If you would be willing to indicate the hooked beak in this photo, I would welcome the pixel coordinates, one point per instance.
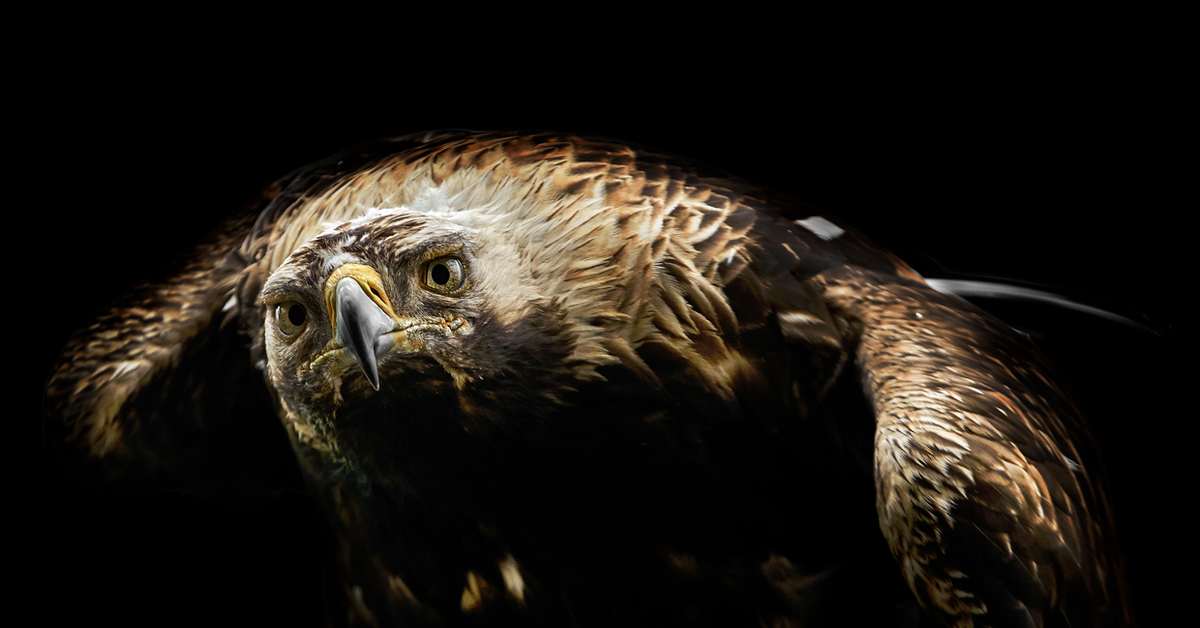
(362, 316)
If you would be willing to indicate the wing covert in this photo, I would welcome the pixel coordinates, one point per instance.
(130, 402)
(981, 489)
(162, 388)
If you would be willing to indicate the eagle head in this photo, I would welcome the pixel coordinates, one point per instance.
(420, 317)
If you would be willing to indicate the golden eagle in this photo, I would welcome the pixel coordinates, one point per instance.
(543, 379)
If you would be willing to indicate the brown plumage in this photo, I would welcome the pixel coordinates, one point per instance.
(561, 380)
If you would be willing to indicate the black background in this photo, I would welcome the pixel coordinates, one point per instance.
(1043, 155)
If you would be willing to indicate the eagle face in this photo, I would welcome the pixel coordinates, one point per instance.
(406, 307)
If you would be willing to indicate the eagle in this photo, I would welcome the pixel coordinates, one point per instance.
(553, 380)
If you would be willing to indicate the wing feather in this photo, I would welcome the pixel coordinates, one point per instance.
(981, 491)
(161, 390)
(131, 399)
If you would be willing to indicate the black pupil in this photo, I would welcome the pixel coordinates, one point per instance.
(440, 274)
(296, 315)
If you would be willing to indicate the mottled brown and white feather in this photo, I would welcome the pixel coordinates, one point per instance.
(707, 298)
(980, 492)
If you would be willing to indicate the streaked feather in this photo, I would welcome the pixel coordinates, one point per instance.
(621, 296)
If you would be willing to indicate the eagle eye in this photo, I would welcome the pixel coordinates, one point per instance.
(290, 317)
(445, 275)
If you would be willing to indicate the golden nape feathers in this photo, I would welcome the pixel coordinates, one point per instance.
(543, 379)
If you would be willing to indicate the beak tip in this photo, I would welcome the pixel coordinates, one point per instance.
(358, 327)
